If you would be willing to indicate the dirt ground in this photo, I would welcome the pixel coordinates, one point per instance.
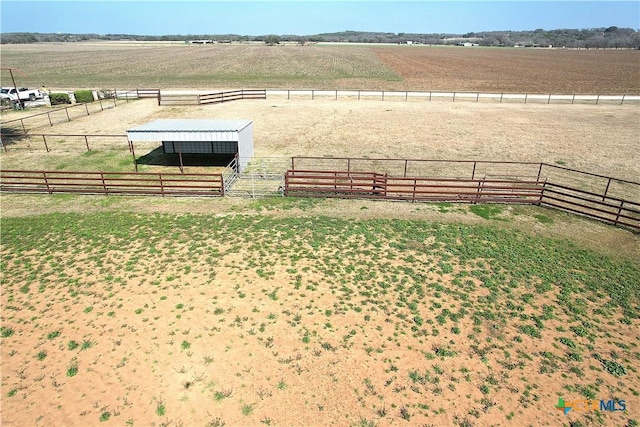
(160, 353)
(594, 138)
(325, 66)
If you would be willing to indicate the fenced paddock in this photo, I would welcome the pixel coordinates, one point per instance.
(521, 98)
(608, 199)
(604, 198)
(162, 184)
(68, 142)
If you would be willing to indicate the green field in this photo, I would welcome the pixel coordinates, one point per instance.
(264, 317)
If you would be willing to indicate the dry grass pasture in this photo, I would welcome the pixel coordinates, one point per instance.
(599, 139)
(330, 66)
(208, 312)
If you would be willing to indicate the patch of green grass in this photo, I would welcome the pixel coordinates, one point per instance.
(72, 370)
(6, 332)
(487, 211)
(543, 219)
(161, 409)
(247, 409)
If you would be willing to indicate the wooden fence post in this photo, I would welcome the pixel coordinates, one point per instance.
(44, 138)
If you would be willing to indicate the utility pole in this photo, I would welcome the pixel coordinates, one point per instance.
(15, 86)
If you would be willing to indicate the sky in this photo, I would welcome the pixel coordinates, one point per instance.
(303, 17)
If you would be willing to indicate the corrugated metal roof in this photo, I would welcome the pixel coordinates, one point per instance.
(193, 125)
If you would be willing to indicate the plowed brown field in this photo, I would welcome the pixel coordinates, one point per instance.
(516, 70)
(323, 66)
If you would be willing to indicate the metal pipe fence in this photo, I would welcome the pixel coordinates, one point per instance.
(122, 183)
(455, 96)
(601, 197)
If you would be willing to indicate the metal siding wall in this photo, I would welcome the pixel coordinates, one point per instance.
(245, 145)
(183, 136)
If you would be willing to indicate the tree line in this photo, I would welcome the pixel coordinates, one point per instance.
(599, 38)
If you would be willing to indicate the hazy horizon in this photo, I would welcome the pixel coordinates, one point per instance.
(253, 18)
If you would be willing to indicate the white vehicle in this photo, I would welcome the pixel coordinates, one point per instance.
(23, 94)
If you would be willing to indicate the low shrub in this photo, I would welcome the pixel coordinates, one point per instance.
(83, 96)
(59, 98)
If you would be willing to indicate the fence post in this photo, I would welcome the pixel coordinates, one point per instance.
(478, 97)
(406, 161)
(573, 99)
(49, 117)
(597, 99)
(86, 107)
(24, 129)
(454, 97)
(382, 96)
(104, 184)
(478, 194)
(622, 101)
(66, 110)
(619, 212)
(44, 138)
(159, 98)
(221, 185)
(161, 183)
(549, 100)
(406, 95)
(133, 153)
(501, 95)
(46, 182)
(86, 141)
(473, 172)
(312, 94)
(358, 95)
(604, 196)
(539, 172)
(288, 94)
(286, 183)
(415, 188)
(336, 95)
(542, 193)
(525, 97)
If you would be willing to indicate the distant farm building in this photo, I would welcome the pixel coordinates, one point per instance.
(219, 140)
(200, 41)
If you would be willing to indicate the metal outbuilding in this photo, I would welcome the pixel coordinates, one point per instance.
(230, 138)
